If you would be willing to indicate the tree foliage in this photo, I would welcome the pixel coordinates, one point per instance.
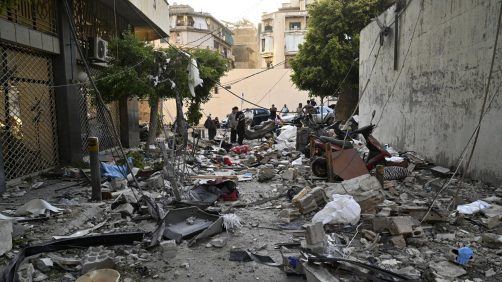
(331, 45)
(134, 62)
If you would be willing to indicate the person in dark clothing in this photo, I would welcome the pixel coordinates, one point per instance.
(217, 122)
(241, 125)
(232, 124)
(211, 127)
(273, 112)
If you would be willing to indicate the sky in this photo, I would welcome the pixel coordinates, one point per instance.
(233, 10)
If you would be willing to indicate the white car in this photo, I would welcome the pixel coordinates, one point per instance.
(324, 115)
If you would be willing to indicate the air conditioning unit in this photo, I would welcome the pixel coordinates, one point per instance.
(99, 49)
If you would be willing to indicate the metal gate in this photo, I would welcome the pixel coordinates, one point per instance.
(27, 112)
(94, 120)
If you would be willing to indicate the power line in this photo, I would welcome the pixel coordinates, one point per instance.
(273, 86)
(254, 74)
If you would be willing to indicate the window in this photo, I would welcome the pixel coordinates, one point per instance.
(295, 26)
(263, 44)
(268, 28)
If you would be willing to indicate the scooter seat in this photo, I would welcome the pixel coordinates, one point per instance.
(340, 143)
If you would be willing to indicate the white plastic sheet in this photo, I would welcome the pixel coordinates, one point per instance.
(473, 207)
(342, 210)
(36, 207)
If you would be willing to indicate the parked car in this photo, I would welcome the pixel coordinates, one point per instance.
(258, 115)
(324, 115)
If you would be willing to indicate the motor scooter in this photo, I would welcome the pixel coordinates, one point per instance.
(376, 155)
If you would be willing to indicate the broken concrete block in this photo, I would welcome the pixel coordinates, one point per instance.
(265, 174)
(491, 240)
(97, 258)
(493, 216)
(169, 248)
(314, 233)
(5, 236)
(439, 170)
(288, 215)
(398, 241)
(445, 236)
(219, 242)
(290, 174)
(402, 225)
(369, 200)
(155, 182)
(369, 235)
(125, 209)
(320, 196)
(447, 270)
(306, 204)
(118, 184)
(39, 276)
(43, 264)
(25, 272)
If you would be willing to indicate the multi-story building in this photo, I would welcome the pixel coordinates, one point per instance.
(46, 105)
(281, 33)
(246, 45)
(190, 29)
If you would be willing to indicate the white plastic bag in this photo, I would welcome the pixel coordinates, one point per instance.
(343, 209)
(473, 207)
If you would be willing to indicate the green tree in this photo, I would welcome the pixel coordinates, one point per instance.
(134, 63)
(330, 48)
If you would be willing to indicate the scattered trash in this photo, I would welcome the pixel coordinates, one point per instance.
(231, 222)
(342, 210)
(473, 207)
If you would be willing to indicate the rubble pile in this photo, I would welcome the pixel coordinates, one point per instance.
(277, 209)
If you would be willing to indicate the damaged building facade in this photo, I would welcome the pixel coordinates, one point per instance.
(430, 78)
(46, 110)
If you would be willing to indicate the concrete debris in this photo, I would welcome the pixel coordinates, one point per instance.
(237, 200)
(447, 270)
(36, 207)
(169, 248)
(125, 209)
(98, 258)
(43, 264)
(6, 230)
(219, 242)
(492, 240)
(25, 272)
(265, 174)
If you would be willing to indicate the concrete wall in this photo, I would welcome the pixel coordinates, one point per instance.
(156, 10)
(258, 89)
(437, 100)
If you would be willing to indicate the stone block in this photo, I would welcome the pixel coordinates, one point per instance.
(5, 236)
(169, 248)
(124, 209)
(290, 174)
(314, 233)
(97, 258)
(43, 264)
(155, 182)
(398, 241)
(25, 272)
(402, 225)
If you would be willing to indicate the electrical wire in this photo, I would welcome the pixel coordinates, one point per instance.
(273, 86)
(420, 14)
(229, 83)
